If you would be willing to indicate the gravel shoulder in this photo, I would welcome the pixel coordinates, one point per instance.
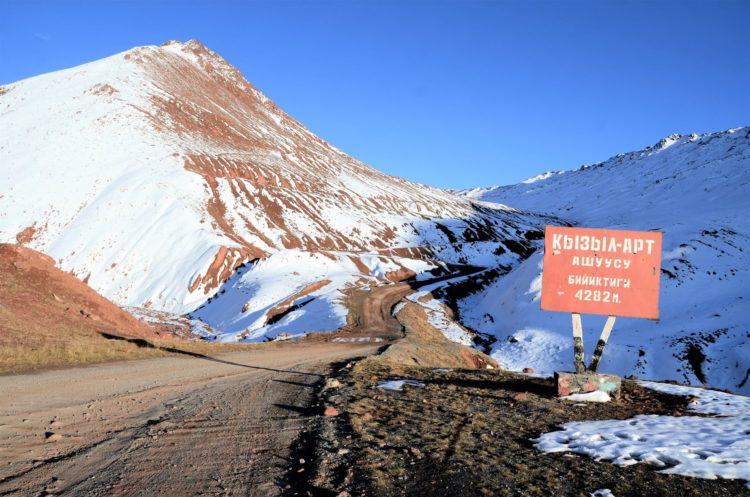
(469, 432)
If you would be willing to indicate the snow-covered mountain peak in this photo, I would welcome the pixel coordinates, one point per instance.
(667, 141)
(154, 173)
(208, 60)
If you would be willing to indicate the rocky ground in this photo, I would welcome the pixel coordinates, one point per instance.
(469, 433)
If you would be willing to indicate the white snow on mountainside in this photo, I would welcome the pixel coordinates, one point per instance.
(155, 173)
(293, 292)
(163, 179)
(696, 190)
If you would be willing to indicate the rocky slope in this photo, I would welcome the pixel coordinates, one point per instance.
(49, 317)
(155, 173)
(694, 188)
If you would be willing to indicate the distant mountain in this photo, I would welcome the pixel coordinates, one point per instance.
(696, 189)
(154, 174)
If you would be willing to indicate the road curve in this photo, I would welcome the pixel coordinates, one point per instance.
(370, 311)
(183, 426)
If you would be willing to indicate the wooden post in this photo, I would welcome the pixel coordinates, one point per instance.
(578, 343)
(602, 343)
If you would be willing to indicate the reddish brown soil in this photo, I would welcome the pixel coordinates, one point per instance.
(26, 235)
(104, 89)
(176, 426)
(283, 306)
(51, 317)
(226, 261)
(35, 292)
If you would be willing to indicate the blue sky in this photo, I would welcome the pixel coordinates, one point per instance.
(449, 93)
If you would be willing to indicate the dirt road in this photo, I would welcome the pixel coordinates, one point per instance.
(370, 311)
(172, 426)
(179, 425)
(370, 314)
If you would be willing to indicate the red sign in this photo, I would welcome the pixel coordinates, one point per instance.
(595, 271)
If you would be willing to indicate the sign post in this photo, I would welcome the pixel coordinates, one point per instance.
(599, 271)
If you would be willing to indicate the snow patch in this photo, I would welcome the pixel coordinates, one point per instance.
(543, 350)
(597, 396)
(703, 447)
(603, 492)
(398, 385)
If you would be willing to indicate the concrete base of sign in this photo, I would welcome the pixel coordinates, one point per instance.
(569, 383)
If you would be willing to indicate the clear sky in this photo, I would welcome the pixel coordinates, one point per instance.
(449, 93)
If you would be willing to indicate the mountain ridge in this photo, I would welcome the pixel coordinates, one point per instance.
(482, 191)
(162, 170)
(693, 188)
